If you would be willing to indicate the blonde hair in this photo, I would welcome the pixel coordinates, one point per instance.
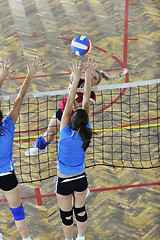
(103, 75)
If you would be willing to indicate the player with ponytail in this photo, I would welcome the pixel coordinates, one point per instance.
(75, 137)
(79, 123)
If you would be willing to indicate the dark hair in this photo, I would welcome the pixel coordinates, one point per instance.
(79, 123)
(1, 117)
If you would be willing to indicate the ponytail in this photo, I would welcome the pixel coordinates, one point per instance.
(86, 135)
(103, 75)
(79, 122)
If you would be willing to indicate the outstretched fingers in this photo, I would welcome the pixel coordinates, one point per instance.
(11, 66)
(2, 66)
(5, 66)
(35, 66)
(40, 66)
(5, 69)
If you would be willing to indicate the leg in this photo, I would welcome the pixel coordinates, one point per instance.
(79, 202)
(14, 200)
(52, 130)
(65, 204)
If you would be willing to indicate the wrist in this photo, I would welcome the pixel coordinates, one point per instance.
(29, 75)
(77, 78)
(2, 77)
(88, 76)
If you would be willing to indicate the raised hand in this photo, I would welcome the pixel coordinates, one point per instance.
(77, 68)
(5, 69)
(91, 65)
(34, 67)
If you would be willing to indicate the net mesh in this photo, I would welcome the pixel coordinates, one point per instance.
(126, 118)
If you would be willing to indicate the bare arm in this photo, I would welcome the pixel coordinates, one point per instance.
(13, 114)
(77, 70)
(61, 87)
(5, 71)
(87, 86)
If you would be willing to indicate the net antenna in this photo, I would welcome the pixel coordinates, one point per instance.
(127, 123)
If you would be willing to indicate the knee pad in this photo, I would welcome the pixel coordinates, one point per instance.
(18, 213)
(65, 215)
(80, 210)
(40, 143)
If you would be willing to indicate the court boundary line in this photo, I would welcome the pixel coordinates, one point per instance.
(39, 197)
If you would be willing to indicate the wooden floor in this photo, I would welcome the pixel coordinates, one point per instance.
(123, 204)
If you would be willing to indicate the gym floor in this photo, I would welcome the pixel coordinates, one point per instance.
(123, 203)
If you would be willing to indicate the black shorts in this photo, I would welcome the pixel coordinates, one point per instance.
(59, 114)
(66, 186)
(8, 182)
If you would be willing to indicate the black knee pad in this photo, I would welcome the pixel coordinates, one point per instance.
(64, 216)
(80, 210)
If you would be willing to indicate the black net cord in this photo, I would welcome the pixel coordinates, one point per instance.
(121, 121)
(103, 127)
(149, 133)
(29, 138)
(47, 122)
(158, 117)
(112, 124)
(38, 121)
(139, 120)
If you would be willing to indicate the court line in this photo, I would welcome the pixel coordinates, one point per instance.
(60, 74)
(132, 39)
(125, 54)
(125, 47)
(133, 4)
(124, 64)
(25, 36)
(129, 126)
(39, 197)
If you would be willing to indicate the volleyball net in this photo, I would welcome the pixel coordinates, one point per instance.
(126, 118)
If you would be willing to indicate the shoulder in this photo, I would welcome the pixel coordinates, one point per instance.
(8, 123)
(66, 131)
(7, 126)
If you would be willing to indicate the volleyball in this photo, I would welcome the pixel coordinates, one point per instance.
(81, 45)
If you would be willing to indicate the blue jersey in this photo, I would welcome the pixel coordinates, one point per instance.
(6, 144)
(71, 156)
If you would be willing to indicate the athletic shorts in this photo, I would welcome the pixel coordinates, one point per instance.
(59, 114)
(66, 186)
(8, 182)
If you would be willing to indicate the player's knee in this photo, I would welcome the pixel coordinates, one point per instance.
(80, 214)
(67, 217)
(18, 213)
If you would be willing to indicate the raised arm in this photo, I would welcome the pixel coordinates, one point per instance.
(59, 87)
(13, 114)
(87, 86)
(77, 70)
(5, 71)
